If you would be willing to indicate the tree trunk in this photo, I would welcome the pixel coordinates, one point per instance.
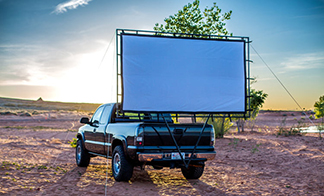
(240, 123)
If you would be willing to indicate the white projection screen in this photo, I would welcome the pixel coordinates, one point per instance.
(182, 75)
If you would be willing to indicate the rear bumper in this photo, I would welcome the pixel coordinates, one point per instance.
(147, 157)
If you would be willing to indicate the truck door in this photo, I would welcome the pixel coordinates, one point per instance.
(101, 129)
(93, 134)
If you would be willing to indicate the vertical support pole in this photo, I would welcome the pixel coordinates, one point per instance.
(249, 79)
(117, 70)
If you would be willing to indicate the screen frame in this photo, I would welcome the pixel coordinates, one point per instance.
(120, 84)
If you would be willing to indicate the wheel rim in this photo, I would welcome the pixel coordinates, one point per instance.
(78, 154)
(116, 163)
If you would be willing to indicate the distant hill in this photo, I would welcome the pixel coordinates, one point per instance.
(18, 104)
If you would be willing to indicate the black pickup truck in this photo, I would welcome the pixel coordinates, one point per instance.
(144, 141)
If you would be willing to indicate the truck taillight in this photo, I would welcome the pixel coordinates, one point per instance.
(212, 136)
(139, 140)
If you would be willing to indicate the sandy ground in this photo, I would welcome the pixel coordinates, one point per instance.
(36, 159)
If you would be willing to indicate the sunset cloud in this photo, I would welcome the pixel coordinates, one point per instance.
(72, 4)
(304, 61)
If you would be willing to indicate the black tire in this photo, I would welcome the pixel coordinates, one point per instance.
(82, 157)
(122, 169)
(192, 172)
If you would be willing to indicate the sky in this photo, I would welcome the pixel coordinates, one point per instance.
(64, 50)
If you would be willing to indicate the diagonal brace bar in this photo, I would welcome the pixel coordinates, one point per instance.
(174, 141)
(201, 132)
(176, 144)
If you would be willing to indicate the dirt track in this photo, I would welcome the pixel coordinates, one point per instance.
(36, 159)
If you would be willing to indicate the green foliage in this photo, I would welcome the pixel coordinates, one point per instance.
(319, 107)
(256, 101)
(289, 131)
(221, 126)
(42, 167)
(27, 127)
(234, 143)
(255, 149)
(191, 20)
(319, 113)
(14, 127)
(73, 143)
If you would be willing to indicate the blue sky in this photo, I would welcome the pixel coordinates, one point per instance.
(53, 49)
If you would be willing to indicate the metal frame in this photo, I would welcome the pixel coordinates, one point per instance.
(121, 114)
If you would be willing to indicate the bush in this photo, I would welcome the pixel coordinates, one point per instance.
(286, 131)
(221, 126)
(73, 143)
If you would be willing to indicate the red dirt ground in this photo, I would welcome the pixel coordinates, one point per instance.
(36, 159)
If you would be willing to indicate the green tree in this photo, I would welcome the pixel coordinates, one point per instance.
(257, 100)
(319, 113)
(319, 107)
(190, 20)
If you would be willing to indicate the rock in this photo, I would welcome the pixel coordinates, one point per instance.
(40, 99)
(8, 113)
(25, 114)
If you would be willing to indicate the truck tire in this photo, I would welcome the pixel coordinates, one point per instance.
(82, 157)
(192, 172)
(122, 169)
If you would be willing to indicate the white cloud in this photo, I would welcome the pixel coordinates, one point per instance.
(304, 61)
(72, 4)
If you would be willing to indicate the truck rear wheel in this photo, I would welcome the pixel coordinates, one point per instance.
(82, 157)
(192, 172)
(122, 170)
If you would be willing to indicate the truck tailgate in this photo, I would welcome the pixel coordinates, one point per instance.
(157, 134)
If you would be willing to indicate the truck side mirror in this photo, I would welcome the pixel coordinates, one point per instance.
(84, 120)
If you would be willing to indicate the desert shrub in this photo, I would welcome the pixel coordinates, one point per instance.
(35, 112)
(73, 143)
(221, 126)
(8, 113)
(288, 131)
(25, 114)
(255, 149)
(234, 142)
